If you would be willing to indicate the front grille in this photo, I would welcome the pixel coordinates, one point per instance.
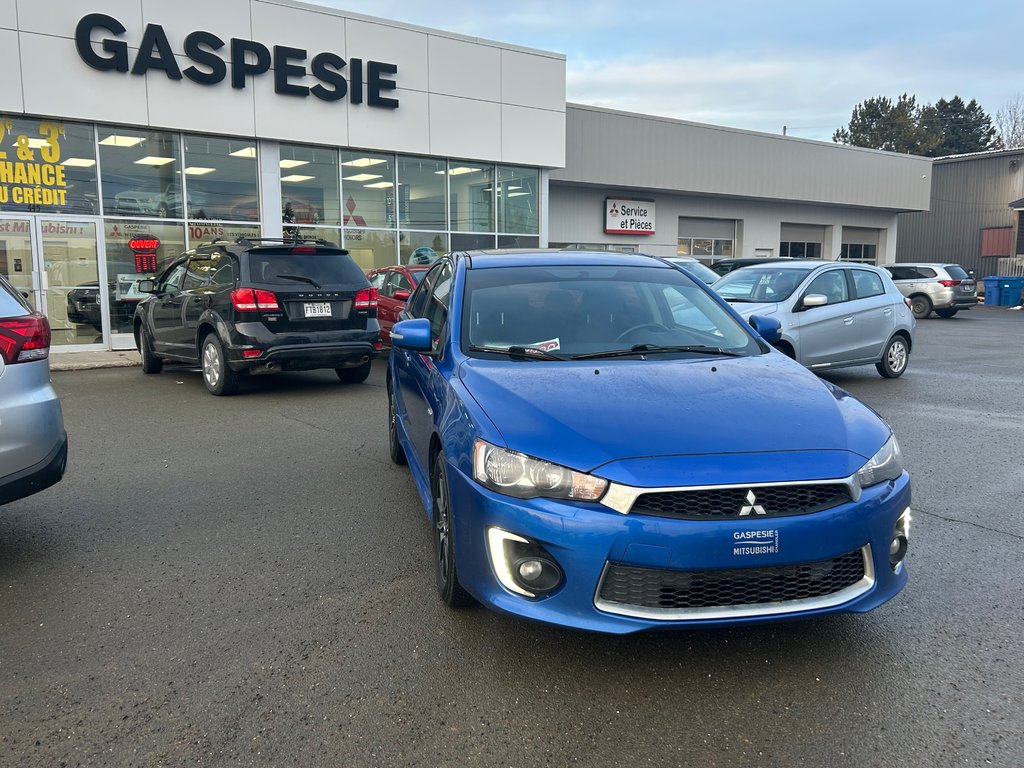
(660, 590)
(769, 501)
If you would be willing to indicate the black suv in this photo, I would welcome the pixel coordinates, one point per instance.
(253, 306)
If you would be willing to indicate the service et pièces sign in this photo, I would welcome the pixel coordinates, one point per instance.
(628, 217)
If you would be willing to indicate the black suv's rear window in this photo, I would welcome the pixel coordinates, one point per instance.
(325, 266)
(957, 272)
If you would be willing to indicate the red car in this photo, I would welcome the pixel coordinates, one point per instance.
(394, 286)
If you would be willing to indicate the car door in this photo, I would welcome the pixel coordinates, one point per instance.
(419, 385)
(826, 335)
(873, 311)
(387, 306)
(166, 315)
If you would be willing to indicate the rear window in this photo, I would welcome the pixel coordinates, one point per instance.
(325, 266)
(12, 303)
(957, 272)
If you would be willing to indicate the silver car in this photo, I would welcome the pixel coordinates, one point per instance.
(694, 268)
(833, 314)
(33, 443)
(942, 287)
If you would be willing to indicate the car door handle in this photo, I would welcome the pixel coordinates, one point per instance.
(887, 311)
(848, 320)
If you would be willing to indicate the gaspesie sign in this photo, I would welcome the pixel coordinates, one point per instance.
(337, 78)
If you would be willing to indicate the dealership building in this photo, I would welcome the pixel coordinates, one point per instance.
(130, 130)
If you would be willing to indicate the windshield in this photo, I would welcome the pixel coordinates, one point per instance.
(567, 311)
(760, 285)
(698, 270)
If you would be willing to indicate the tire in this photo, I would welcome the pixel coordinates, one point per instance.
(354, 375)
(150, 362)
(443, 532)
(945, 314)
(894, 359)
(217, 376)
(395, 449)
(921, 306)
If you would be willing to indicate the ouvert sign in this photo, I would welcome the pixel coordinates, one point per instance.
(337, 78)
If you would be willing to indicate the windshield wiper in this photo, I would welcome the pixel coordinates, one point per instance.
(647, 349)
(301, 279)
(517, 352)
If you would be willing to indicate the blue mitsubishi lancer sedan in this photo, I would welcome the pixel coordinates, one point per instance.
(600, 442)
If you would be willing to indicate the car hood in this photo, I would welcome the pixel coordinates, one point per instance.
(747, 310)
(587, 415)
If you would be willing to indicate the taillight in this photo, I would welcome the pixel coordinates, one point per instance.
(949, 283)
(366, 299)
(250, 299)
(24, 339)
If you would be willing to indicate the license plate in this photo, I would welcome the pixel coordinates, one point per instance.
(320, 309)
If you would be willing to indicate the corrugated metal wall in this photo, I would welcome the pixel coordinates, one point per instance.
(621, 149)
(969, 194)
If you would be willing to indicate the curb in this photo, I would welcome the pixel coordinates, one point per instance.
(87, 361)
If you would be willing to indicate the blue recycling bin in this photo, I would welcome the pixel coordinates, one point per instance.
(991, 291)
(1009, 291)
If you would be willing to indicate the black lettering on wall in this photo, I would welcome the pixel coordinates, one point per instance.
(284, 69)
(326, 67)
(200, 47)
(118, 50)
(155, 53)
(355, 79)
(376, 82)
(240, 64)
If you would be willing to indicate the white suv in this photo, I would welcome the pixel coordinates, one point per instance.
(939, 287)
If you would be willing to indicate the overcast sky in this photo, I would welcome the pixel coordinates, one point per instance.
(750, 63)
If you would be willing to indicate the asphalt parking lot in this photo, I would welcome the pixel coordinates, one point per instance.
(247, 581)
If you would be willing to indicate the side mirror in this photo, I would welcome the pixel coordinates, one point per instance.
(146, 285)
(413, 335)
(401, 295)
(814, 300)
(768, 328)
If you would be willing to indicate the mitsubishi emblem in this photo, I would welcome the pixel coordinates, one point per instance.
(751, 507)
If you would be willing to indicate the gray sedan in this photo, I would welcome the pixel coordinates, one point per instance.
(833, 314)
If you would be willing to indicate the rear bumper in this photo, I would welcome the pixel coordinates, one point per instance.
(38, 477)
(305, 357)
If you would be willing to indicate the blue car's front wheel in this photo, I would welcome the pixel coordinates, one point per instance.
(448, 586)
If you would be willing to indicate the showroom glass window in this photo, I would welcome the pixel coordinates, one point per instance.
(221, 179)
(421, 186)
(310, 191)
(517, 200)
(50, 166)
(368, 190)
(165, 242)
(140, 171)
(471, 196)
(797, 250)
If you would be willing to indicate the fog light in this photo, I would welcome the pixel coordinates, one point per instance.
(897, 550)
(247, 353)
(538, 574)
(522, 566)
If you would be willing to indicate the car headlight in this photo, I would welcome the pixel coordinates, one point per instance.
(516, 474)
(887, 464)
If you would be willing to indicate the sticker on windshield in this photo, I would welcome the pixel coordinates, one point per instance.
(546, 346)
(764, 542)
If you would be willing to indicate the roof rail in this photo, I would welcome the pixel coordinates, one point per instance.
(255, 241)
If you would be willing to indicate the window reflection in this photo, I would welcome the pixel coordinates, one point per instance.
(309, 185)
(421, 247)
(471, 196)
(124, 268)
(221, 178)
(517, 200)
(368, 190)
(371, 249)
(421, 185)
(141, 173)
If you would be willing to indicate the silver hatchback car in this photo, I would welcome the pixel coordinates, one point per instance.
(833, 314)
(944, 288)
(33, 443)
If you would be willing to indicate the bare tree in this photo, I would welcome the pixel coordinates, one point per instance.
(1009, 123)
